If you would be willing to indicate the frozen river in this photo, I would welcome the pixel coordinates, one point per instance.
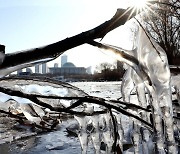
(59, 141)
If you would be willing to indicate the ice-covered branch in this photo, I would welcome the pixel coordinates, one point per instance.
(124, 56)
(114, 148)
(108, 105)
(155, 75)
(130, 105)
(69, 110)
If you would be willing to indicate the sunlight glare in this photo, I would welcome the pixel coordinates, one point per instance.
(138, 4)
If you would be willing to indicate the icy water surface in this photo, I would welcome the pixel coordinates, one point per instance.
(54, 142)
(59, 141)
(108, 90)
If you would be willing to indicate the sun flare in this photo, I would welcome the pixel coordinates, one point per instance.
(138, 4)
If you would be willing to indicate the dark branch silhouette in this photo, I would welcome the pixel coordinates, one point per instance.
(79, 102)
(56, 49)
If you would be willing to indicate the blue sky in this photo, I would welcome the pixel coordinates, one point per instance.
(34, 23)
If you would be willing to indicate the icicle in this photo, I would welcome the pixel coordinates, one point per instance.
(141, 96)
(159, 74)
(136, 137)
(89, 129)
(156, 76)
(83, 135)
(120, 130)
(108, 133)
(166, 107)
(126, 88)
(127, 85)
(96, 134)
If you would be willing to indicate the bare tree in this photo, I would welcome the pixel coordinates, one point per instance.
(163, 24)
(104, 67)
(108, 71)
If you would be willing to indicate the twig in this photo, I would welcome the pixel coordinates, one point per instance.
(175, 117)
(125, 58)
(115, 131)
(108, 105)
(130, 105)
(89, 99)
(37, 101)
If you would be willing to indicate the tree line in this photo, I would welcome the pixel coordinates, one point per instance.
(109, 72)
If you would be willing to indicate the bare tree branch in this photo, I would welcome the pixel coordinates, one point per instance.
(89, 99)
(108, 105)
(55, 49)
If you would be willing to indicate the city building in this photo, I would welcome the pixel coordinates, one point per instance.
(63, 60)
(37, 68)
(44, 68)
(68, 69)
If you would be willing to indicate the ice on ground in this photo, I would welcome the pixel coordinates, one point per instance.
(43, 90)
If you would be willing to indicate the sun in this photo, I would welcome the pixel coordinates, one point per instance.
(138, 4)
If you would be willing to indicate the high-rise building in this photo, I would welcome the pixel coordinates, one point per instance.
(37, 68)
(44, 68)
(63, 60)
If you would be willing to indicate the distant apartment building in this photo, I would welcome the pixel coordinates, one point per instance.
(63, 60)
(37, 68)
(41, 68)
(44, 68)
(67, 68)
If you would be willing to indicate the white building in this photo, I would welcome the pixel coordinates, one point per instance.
(68, 69)
(37, 68)
(44, 68)
(63, 60)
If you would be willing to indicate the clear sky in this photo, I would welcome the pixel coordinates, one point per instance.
(28, 24)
